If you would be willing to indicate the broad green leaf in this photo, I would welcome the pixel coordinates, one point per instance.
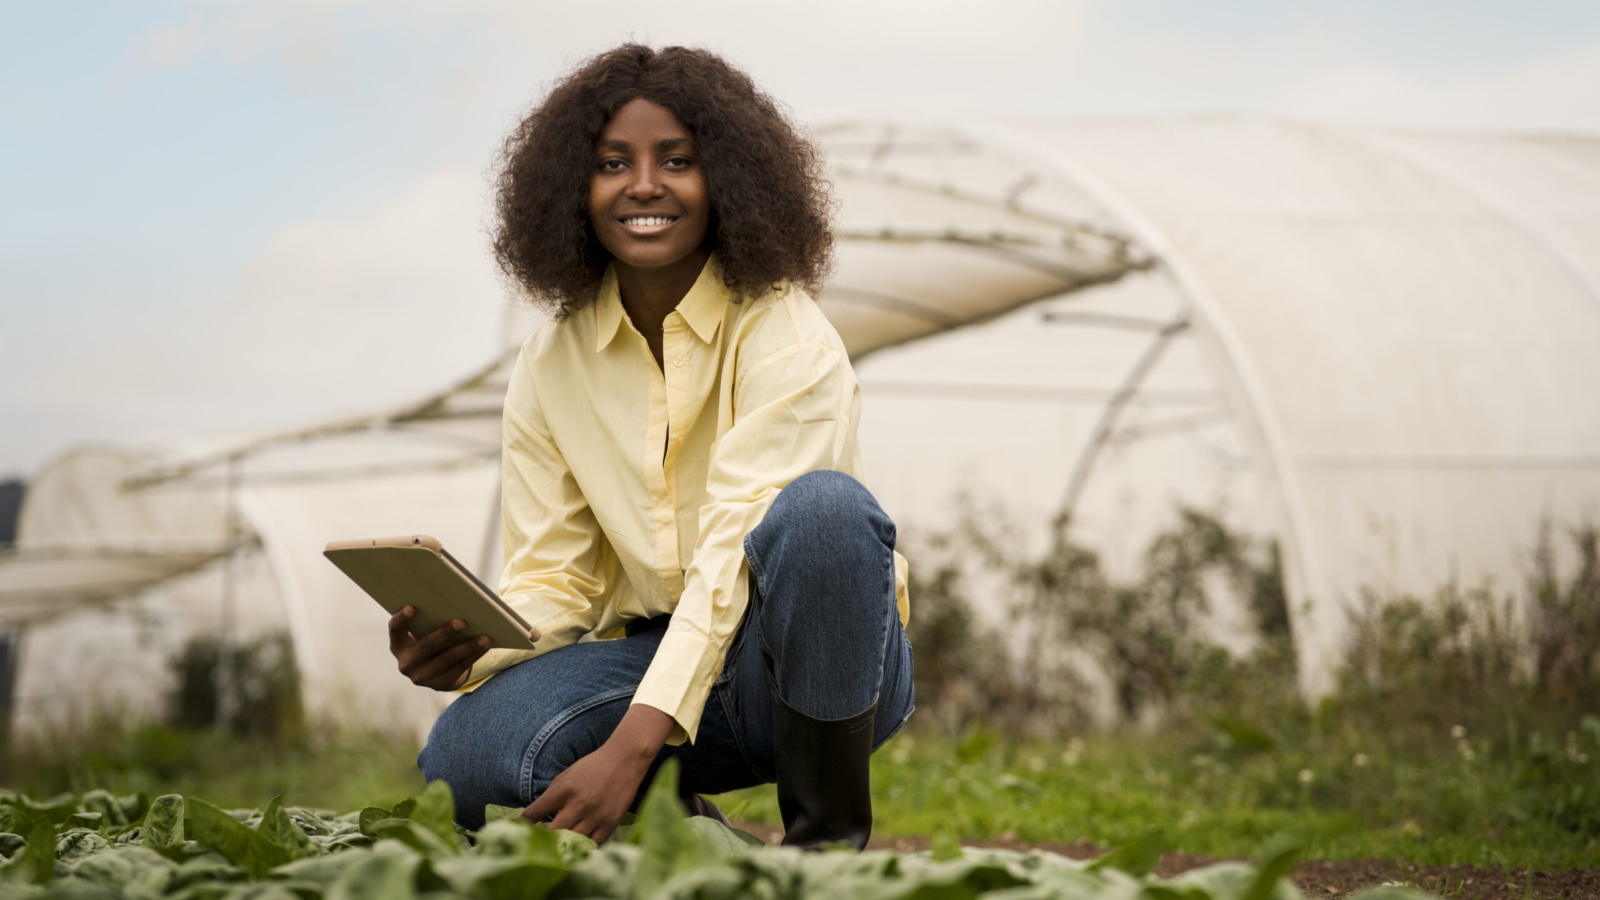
(68, 889)
(435, 810)
(56, 809)
(493, 813)
(262, 891)
(413, 835)
(208, 868)
(402, 810)
(133, 805)
(11, 844)
(371, 816)
(277, 827)
(163, 822)
(1137, 858)
(309, 822)
(608, 872)
(727, 841)
(1163, 892)
(384, 873)
(91, 820)
(243, 847)
(79, 843)
(720, 882)
(1271, 872)
(1229, 879)
(41, 852)
(133, 871)
(501, 878)
(323, 870)
(573, 847)
(14, 820)
(104, 803)
(666, 842)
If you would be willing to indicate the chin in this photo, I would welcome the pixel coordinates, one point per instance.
(651, 258)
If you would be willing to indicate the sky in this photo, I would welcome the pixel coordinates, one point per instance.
(219, 218)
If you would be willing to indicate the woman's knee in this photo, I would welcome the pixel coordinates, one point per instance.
(830, 512)
(464, 758)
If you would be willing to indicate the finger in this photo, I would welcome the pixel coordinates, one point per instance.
(540, 809)
(432, 668)
(454, 678)
(464, 674)
(439, 638)
(568, 819)
(400, 627)
(603, 833)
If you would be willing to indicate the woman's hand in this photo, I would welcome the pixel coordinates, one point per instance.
(436, 660)
(593, 793)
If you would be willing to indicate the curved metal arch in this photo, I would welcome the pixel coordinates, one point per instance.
(1302, 570)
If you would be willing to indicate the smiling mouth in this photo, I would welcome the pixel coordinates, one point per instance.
(647, 221)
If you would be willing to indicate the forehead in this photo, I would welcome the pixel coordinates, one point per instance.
(640, 122)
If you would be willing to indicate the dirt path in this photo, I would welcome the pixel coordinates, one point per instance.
(1322, 878)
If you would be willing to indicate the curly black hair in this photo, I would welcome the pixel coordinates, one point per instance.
(770, 203)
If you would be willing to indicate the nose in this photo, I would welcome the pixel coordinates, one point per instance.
(645, 183)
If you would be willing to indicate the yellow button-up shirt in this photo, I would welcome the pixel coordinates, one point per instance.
(628, 488)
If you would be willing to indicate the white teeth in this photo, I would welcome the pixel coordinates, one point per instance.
(646, 220)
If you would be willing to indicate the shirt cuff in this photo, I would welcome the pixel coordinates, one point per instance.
(679, 680)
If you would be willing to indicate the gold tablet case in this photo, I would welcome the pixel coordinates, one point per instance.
(417, 570)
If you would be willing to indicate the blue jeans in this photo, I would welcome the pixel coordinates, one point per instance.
(821, 628)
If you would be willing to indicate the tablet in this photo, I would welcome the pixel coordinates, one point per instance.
(417, 570)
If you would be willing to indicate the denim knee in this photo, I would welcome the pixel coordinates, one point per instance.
(830, 510)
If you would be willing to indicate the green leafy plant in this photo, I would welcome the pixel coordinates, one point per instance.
(187, 849)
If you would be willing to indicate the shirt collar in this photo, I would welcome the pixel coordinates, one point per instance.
(703, 307)
(706, 303)
(607, 310)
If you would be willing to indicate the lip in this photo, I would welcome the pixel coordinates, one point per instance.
(646, 230)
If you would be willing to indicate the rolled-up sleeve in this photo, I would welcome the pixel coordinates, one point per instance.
(795, 411)
(554, 574)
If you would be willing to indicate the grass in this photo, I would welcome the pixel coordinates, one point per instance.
(1455, 808)
(342, 772)
(1468, 801)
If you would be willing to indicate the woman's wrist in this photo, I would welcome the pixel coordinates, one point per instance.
(641, 734)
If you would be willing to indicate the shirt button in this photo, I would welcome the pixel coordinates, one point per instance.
(678, 362)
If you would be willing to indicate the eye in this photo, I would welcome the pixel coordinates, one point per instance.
(611, 165)
(679, 162)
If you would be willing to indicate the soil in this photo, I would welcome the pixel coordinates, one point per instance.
(1319, 878)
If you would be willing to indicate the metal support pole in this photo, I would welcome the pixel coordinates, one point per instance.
(1108, 418)
(225, 638)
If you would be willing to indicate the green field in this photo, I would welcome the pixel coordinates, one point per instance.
(1473, 801)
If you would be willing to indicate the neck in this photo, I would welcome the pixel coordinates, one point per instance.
(649, 295)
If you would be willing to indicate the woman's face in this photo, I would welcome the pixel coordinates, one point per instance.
(647, 198)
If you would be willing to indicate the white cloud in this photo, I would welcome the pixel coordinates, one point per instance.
(331, 316)
(1562, 93)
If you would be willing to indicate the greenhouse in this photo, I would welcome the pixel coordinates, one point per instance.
(1364, 343)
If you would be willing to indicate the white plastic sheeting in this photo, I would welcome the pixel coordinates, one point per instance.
(1409, 322)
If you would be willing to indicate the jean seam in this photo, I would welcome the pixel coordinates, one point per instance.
(536, 746)
(761, 585)
(907, 717)
(736, 728)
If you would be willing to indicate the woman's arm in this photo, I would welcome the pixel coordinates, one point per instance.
(795, 411)
(593, 793)
(555, 574)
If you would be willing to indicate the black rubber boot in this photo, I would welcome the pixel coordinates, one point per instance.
(824, 790)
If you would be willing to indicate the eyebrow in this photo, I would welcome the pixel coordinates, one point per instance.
(614, 144)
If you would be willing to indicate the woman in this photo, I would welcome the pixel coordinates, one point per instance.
(680, 476)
